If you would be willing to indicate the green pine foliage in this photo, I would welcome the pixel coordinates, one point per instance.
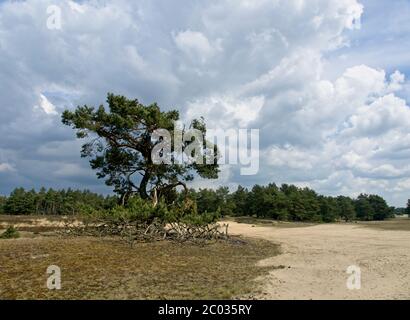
(290, 203)
(142, 211)
(10, 233)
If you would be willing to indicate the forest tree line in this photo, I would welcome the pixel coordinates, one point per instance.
(287, 202)
(290, 203)
(53, 202)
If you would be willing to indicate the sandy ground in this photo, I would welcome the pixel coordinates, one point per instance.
(33, 222)
(314, 261)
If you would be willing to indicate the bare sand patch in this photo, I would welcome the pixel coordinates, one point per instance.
(29, 224)
(314, 261)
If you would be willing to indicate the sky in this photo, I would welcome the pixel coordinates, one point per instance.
(325, 82)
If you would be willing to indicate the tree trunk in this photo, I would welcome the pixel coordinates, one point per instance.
(143, 186)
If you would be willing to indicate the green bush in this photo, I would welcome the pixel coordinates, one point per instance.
(10, 233)
(143, 211)
(136, 210)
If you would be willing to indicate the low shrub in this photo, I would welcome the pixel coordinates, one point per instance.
(10, 233)
(140, 220)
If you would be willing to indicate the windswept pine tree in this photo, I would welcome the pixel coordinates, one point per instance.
(120, 145)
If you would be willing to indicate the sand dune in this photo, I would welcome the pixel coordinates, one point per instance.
(315, 259)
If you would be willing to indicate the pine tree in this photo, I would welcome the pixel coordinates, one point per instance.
(408, 208)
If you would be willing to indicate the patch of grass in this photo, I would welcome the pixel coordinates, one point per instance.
(253, 220)
(94, 268)
(34, 223)
(10, 233)
(28, 219)
(398, 224)
(270, 222)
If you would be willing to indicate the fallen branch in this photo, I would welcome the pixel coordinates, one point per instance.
(134, 231)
